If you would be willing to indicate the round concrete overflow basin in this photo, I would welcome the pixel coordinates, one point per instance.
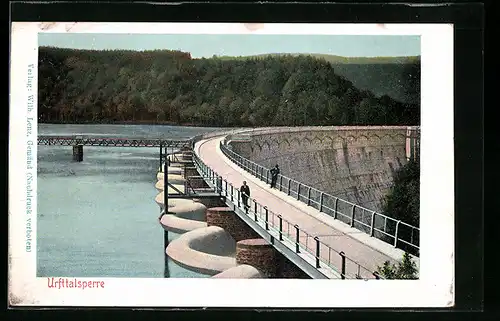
(206, 250)
(172, 179)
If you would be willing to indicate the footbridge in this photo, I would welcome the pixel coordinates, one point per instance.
(78, 141)
(324, 235)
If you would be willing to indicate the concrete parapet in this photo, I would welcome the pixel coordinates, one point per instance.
(240, 272)
(225, 218)
(187, 209)
(179, 225)
(208, 250)
(259, 254)
(172, 179)
(159, 199)
(171, 170)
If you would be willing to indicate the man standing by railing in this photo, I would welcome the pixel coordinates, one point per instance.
(245, 193)
(274, 175)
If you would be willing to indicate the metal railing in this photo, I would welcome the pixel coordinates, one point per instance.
(285, 231)
(385, 228)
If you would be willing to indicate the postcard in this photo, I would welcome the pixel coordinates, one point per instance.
(231, 165)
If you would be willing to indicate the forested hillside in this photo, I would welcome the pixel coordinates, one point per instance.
(397, 77)
(170, 87)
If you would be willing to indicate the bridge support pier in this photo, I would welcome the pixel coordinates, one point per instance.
(226, 218)
(77, 153)
(258, 253)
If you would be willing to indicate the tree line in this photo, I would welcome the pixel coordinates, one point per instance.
(403, 202)
(164, 86)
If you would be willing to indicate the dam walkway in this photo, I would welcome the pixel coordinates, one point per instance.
(334, 249)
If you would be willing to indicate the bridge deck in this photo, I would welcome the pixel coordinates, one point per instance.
(110, 141)
(280, 203)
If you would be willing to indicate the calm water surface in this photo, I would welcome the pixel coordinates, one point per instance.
(98, 218)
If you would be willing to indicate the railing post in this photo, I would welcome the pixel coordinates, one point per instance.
(239, 197)
(281, 226)
(317, 251)
(396, 234)
(161, 156)
(342, 273)
(321, 202)
(372, 224)
(297, 239)
(267, 217)
(225, 183)
(165, 187)
(281, 182)
(288, 190)
(262, 173)
(255, 212)
(352, 215)
(232, 193)
(309, 196)
(267, 177)
(219, 184)
(298, 191)
(336, 206)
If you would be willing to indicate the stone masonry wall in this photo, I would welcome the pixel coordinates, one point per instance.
(258, 253)
(355, 164)
(263, 256)
(225, 217)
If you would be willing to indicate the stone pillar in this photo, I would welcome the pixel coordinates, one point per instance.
(225, 218)
(78, 153)
(259, 254)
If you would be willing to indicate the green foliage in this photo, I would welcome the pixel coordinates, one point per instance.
(170, 87)
(406, 269)
(403, 201)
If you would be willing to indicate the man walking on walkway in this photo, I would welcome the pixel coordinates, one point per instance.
(274, 175)
(245, 194)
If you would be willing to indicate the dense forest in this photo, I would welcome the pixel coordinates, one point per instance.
(397, 77)
(163, 86)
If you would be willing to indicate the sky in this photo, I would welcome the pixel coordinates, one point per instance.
(200, 45)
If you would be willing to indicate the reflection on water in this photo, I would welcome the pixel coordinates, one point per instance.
(98, 217)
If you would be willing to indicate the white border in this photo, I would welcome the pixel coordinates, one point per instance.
(435, 288)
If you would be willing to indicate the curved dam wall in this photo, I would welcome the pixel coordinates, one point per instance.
(356, 164)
